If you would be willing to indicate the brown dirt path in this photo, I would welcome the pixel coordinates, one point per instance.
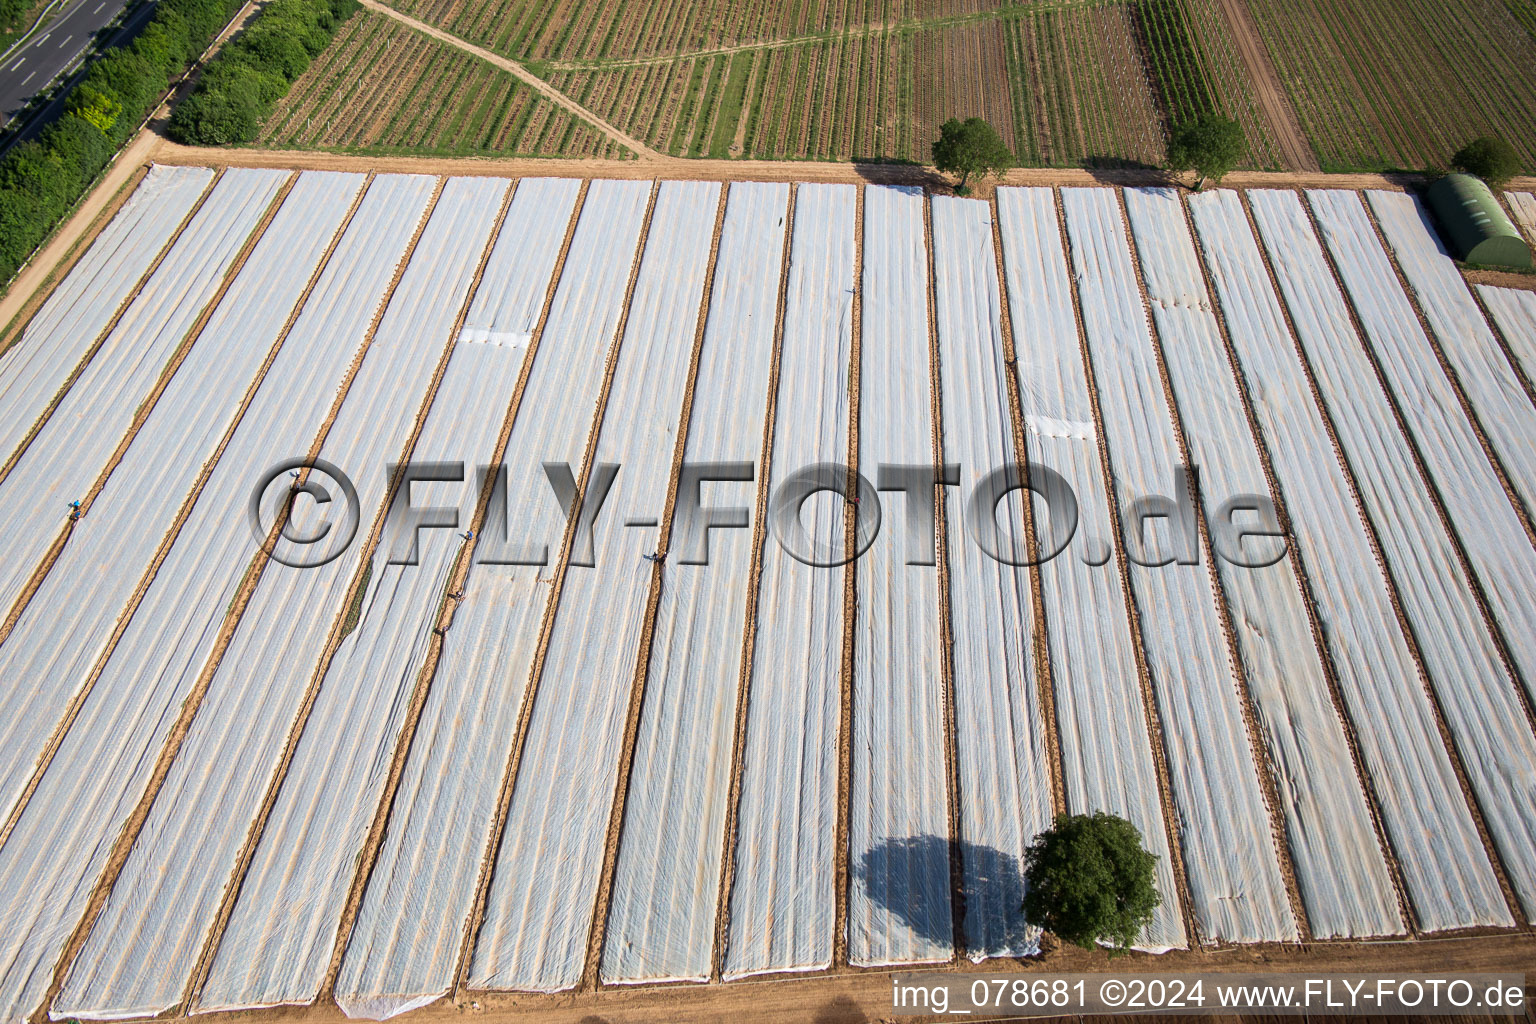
(1271, 94)
(527, 77)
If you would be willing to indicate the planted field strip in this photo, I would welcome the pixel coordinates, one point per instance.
(430, 98)
(1107, 758)
(1514, 312)
(66, 458)
(1004, 776)
(1497, 402)
(60, 338)
(1449, 879)
(1470, 74)
(1478, 698)
(899, 904)
(1235, 883)
(1327, 828)
(544, 885)
(399, 954)
(239, 783)
(203, 817)
(662, 920)
(781, 904)
(109, 753)
(1340, 869)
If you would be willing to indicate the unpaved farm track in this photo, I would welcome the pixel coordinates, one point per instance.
(1271, 94)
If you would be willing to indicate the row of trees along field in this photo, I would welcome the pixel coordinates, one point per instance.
(41, 180)
(242, 84)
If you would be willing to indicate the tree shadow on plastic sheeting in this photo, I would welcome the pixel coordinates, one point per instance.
(910, 878)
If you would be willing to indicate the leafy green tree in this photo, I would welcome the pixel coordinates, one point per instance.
(970, 147)
(1089, 880)
(1211, 145)
(1489, 158)
(95, 107)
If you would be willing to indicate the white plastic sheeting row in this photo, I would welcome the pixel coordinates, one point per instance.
(276, 947)
(71, 618)
(1499, 403)
(661, 921)
(1449, 879)
(899, 904)
(1523, 204)
(34, 369)
(1340, 869)
(1229, 854)
(782, 899)
(404, 949)
(61, 842)
(151, 933)
(544, 886)
(1001, 765)
(68, 454)
(1314, 780)
(1480, 701)
(1514, 311)
(1105, 751)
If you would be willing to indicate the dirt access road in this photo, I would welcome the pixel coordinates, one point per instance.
(1273, 98)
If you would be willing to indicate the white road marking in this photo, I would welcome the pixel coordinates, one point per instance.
(99, 7)
(18, 64)
(64, 41)
(30, 76)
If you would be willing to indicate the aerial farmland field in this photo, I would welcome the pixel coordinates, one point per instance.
(421, 770)
(783, 510)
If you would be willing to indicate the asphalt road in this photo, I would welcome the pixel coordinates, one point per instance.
(51, 50)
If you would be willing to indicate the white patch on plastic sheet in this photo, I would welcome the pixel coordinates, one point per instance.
(1514, 311)
(34, 369)
(899, 900)
(1340, 872)
(661, 918)
(1046, 426)
(1482, 706)
(1230, 859)
(782, 901)
(1004, 774)
(406, 943)
(141, 952)
(1105, 751)
(384, 1007)
(99, 772)
(544, 886)
(1449, 879)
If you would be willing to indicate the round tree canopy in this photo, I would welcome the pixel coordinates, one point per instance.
(1475, 224)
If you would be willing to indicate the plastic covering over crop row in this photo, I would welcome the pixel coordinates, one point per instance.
(1449, 879)
(1229, 855)
(1515, 313)
(661, 921)
(153, 928)
(1477, 695)
(544, 886)
(1105, 751)
(1339, 865)
(69, 323)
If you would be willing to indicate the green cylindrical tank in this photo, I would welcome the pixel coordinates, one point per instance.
(1475, 224)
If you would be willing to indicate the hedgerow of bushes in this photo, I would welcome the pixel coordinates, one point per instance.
(252, 72)
(42, 178)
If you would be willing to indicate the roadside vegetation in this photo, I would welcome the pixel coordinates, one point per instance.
(41, 180)
(252, 72)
